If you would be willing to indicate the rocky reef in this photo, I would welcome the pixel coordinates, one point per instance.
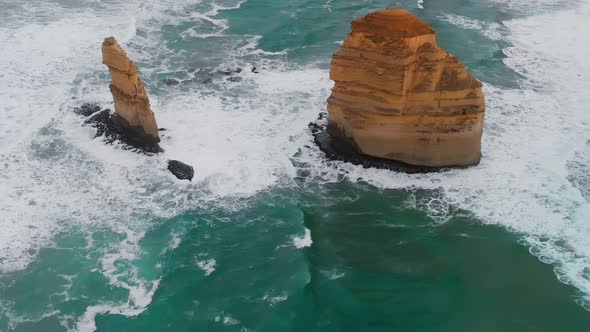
(399, 97)
(132, 106)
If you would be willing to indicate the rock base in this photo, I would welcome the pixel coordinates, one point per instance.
(111, 127)
(343, 151)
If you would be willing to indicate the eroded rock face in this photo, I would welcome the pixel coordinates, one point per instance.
(132, 105)
(399, 96)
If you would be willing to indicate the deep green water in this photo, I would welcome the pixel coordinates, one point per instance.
(118, 245)
(375, 265)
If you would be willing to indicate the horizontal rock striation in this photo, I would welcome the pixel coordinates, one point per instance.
(132, 105)
(399, 96)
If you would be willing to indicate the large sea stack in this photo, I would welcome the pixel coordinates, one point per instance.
(132, 105)
(399, 96)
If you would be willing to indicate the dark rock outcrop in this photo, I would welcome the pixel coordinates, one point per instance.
(181, 170)
(108, 125)
(87, 109)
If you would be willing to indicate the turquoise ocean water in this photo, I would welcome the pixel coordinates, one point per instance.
(270, 236)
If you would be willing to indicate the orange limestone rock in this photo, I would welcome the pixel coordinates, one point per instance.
(131, 101)
(399, 96)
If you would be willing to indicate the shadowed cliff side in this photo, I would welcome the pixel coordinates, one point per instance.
(399, 96)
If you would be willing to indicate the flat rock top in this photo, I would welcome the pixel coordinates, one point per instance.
(396, 23)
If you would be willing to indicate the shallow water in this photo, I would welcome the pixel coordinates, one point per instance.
(269, 235)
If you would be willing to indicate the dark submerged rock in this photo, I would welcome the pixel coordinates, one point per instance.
(87, 109)
(170, 81)
(314, 127)
(181, 170)
(323, 116)
(141, 33)
(228, 72)
(207, 75)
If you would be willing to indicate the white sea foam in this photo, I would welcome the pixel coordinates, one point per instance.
(15, 320)
(66, 288)
(532, 7)
(226, 320)
(117, 266)
(208, 266)
(174, 242)
(245, 144)
(303, 241)
(217, 25)
(551, 51)
(274, 298)
(43, 61)
(491, 30)
(87, 323)
(328, 5)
